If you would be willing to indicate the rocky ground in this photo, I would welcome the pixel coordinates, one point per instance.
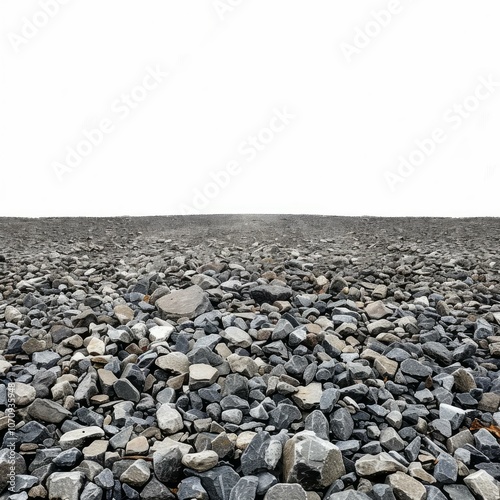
(250, 357)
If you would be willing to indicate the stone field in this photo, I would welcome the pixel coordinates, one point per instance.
(250, 357)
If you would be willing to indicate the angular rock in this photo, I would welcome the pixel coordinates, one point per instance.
(311, 461)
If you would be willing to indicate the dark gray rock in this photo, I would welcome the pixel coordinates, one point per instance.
(342, 424)
(218, 482)
(245, 488)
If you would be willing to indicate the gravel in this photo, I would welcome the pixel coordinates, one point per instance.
(255, 357)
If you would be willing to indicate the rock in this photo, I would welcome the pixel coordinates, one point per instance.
(438, 351)
(284, 415)
(391, 440)
(91, 492)
(270, 293)
(219, 481)
(380, 464)
(253, 459)
(77, 437)
(464, 381)
(415, 369)
(187, 303)
(24, 394)
(155, 490)
(12, 315)
(124, 314)
(405, 487)
(482, 485)
(65, 485)
(236, 336)
(48, 411)
(169, 419)
(10, 459)
(286, 492)
(201, 461)
(311, 461)
(137, 474)
(318, 423)
(68, 458)
(167, 464)
(446, 469)
(124, 389)
(176, 362)
(202, 375)
(308, 397)
(453, 414)
(245, 488)
(191, 488)
(342, 424)
(377, 310)
(105, 479)
(137, 446)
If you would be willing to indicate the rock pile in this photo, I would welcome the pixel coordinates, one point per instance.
(306, 370)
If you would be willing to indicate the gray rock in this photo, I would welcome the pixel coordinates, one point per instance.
(405, 487)
(124, 389)
(446, 469)
(68, 458)
(318, 423)
(342, 424)
(167, 464)
(455, 492)
(270, 293)
(349, 495)
(155, 490)
(187, 303)
(438, 352)
(137, 474)
(415, 369)
(328, 400)
(219, 481)
(191, 489)
(245, 488)
(486, 443)
(391, 440)
(375, 465)
(65, 485)
(286, 492)
(24, 482)
(105, 479)
(10, 459)
(311, 461)
(169, 419)
(284, 415)
(253, 459)
(453, 414)
(91, 492)
(482, 485)
(48, 411)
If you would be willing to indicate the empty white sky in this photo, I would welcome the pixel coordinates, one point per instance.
(303, 110)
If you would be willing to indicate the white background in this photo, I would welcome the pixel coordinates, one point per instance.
(229, 71)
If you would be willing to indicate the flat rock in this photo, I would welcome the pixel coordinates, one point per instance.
(187, 303)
